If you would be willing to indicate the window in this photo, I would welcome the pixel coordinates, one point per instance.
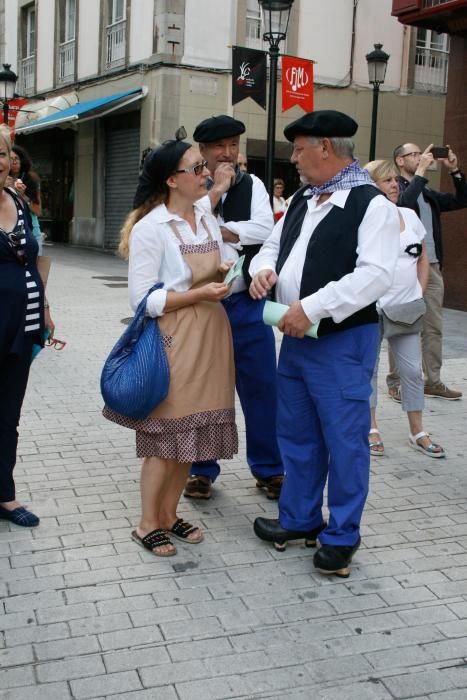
(431, 61)
(116, 11)
(115, 42)
(28, 49)
(29, 44)
(255, 28)
(66, 48)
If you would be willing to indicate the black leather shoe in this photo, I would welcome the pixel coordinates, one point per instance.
(334, 559)
(270, 529)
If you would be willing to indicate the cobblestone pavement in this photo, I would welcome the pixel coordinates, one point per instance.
(87, 614)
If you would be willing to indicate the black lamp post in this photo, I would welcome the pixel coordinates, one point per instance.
(377, 63)
(7, 89)
(275, 18)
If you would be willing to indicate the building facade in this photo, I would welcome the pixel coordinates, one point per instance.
(107, 79)
(428, 17)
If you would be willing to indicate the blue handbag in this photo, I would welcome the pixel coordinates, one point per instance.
(135, 377)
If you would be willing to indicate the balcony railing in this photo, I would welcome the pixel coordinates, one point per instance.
(431, 70)
(28, 69)
(66, 61)
(115, 44)
(434, 3)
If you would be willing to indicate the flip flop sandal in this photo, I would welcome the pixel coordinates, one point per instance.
(153, 540)
(374, 444)
(181, 530)
(431, 450)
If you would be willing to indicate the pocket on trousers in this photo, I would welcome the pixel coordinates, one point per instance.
(357, 392)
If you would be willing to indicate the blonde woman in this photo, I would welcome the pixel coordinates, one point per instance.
(410, 280)
(170, 239)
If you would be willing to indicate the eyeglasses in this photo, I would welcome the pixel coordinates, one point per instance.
(414, 153)
(55, 343)
(196, 169)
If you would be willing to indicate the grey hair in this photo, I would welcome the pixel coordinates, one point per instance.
(343, 146)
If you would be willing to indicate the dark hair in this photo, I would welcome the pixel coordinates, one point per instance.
(27, 175)
(158, 165)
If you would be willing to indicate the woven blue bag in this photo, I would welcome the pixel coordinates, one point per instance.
(135, 377)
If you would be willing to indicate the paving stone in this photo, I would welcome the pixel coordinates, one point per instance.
(48, 691)
(69, 669)
(66, 647)
(105, 684)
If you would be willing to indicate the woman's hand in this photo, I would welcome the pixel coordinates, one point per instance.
(225, 267)
(214, 291)
(49, 324)
(20, 186)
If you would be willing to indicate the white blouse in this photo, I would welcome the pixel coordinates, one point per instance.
(405, 286)
(155, 255)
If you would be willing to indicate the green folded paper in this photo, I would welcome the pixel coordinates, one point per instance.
(273, 313)
(235, 271)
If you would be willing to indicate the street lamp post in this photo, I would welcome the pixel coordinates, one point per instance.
(377, 64)
(275, 18)
(7, 89)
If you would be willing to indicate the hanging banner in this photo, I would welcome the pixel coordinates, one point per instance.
(248, 75)
(297, 83)
(14, 107)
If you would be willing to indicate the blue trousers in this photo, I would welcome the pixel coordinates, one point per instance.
(256, 383)
(323, 423)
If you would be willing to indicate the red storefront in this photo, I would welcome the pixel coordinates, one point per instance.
(449, 16)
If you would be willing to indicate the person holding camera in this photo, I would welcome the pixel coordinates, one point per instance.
(428, 204)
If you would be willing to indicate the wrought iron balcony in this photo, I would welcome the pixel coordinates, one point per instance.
(66, 61)
(115, 44)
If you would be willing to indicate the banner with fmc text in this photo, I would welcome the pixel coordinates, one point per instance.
(297, 83)
(248, 75)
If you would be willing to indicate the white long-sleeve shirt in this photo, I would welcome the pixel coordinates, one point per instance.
(155, 255)
(253, 231)
(377, 251)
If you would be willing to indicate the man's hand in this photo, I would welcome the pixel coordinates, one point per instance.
(229, 236)
(262, 283)
(295, 322)
(224, 177)
(450, 162)
(426, 159)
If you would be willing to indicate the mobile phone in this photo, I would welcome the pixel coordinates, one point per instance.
(440, 151)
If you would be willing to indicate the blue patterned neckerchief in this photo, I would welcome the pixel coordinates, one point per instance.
(352, 175)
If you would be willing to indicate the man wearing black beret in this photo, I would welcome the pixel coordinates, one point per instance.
(244, 213)
(330, 258)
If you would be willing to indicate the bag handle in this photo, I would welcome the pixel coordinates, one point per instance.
(140, 313)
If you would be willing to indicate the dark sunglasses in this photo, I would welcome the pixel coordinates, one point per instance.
(17, 240)
(196, 169)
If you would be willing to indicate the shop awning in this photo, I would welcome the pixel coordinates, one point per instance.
(83, 111)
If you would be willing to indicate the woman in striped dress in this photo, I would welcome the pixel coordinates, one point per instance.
(23, 320)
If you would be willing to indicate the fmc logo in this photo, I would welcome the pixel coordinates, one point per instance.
(297, 77)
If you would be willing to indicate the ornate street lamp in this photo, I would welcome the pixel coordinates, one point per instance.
(377, 64)
(275, 19)
(7, 89)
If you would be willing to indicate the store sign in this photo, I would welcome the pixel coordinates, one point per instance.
(14, 107)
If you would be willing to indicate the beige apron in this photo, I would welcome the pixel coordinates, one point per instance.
(196, 421)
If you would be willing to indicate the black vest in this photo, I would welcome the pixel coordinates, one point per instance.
(237, 207)
(332, 250)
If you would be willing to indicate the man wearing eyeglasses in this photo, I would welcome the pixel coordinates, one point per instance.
(242, 205)
(429, 205)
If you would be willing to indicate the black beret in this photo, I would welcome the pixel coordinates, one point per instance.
(216, 128)
(325, 122)
(158, 166)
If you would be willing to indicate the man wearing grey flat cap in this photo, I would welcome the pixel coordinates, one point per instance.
(329, 258)
(244, 213)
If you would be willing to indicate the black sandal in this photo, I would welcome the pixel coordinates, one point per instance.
(182, 529)
(153, 540)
